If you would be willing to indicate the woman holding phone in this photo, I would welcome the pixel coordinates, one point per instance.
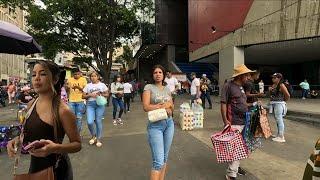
(95, 111)
(160, 133)
(49, 121)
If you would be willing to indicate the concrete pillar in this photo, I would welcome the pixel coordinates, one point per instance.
(229, 58)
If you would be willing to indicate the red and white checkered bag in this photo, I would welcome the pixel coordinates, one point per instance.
(229, 145)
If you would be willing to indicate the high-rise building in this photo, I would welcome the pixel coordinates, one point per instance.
(12, 67)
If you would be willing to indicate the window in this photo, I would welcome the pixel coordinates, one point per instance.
(11, 11)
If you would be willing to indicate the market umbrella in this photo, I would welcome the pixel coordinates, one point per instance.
(15, 41)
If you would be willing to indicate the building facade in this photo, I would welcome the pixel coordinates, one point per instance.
(12, 67)
(271, 36)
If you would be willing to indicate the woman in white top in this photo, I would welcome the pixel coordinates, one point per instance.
(127, 89)
(117, 95)
(95, 112)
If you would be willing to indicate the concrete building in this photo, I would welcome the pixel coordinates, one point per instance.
(12, 67)
(272, 36)
(166, 41)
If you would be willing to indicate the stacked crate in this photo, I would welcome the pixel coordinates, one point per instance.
(198, 116)
(186, 117)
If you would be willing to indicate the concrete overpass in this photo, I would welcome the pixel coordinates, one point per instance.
(272, 32)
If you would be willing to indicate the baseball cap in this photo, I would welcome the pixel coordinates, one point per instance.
(278, 75)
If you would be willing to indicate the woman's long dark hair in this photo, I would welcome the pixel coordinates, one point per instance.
(58, 76)
(116, 77)
(163, 72)
(281, 81)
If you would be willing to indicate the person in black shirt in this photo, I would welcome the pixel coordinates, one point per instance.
(250, 90)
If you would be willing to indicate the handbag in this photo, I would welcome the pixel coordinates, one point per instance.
(264, 123)
(229, 145)
(61, 168)
(157, 115)
(101, 101)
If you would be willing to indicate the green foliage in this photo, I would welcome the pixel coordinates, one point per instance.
(148, 33)
(127, 55)
(83, 26)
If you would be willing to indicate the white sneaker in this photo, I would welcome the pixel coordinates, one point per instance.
(120, 121)
(128, 111)
(303, 98)
(99, 144)
(92, 140)
(279, 139)
(114, 122)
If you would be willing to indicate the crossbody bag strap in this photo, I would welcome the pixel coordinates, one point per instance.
(18, 145)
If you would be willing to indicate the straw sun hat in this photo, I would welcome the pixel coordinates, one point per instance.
(241, 69)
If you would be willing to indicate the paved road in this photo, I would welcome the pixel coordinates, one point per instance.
(125, 153)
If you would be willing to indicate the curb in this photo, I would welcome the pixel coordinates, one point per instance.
(311, 118)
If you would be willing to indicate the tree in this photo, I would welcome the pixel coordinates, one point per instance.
(83, 26)
(126, 56)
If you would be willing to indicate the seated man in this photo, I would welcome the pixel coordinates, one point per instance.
(24, 98)
(314, 94)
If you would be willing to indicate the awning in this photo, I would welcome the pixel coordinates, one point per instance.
(147, 51)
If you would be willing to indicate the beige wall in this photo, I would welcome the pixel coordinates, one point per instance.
(229, 58)
(12, 65)
(279, 21)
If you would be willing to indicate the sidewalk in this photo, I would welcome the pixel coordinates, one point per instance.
(125, 154)
(310, 106)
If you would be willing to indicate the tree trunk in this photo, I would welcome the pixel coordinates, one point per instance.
(108, 67)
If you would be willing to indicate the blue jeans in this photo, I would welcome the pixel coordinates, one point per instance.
(22, 106)
(279, 112)
(160, 136)
(117, 102)
(204, 96)
(94, 115)
(77, 108)
(305, 93)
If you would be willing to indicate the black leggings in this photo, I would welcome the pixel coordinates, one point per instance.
(127, 98)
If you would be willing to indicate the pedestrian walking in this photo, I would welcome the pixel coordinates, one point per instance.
(172, 84)
(233, 108)
(261, 86)
(305, 88)
(157, 96)
(279, 95)
(64, 93)
(11, 89)
(128, 90)
(95, 110)
(117, 99)
(47, 125)
(134, 89)
(75, 87)
(205, 93)
(195, 88)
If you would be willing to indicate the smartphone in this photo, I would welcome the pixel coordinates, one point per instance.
(34, 145)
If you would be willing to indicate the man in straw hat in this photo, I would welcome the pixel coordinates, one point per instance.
(233, 108)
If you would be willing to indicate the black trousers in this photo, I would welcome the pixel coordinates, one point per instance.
(127, 98)
(204, 96)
